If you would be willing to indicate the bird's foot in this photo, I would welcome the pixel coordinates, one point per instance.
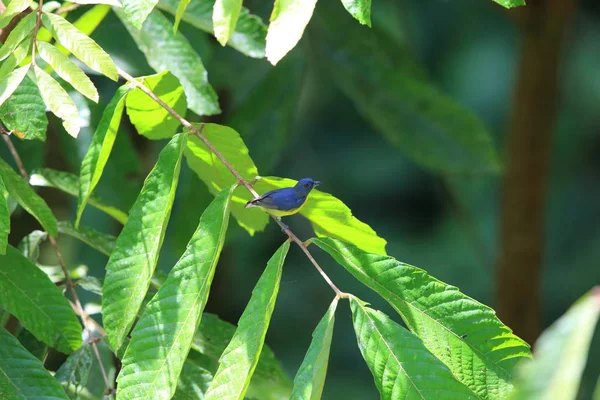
(284, 227)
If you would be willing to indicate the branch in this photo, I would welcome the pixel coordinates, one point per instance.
(239, 177)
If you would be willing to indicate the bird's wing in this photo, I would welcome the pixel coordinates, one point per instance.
(278, 199)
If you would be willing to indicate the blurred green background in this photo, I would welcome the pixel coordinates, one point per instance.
(297, 123)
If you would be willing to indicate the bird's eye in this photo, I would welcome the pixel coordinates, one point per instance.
(306, 185)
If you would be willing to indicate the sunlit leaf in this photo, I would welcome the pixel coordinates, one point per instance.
(510, 3)
(58, 101)
(4, 218)
(102, 242)
(310, 379)
(22, 375)
(16, 57)
(74, 372)
(28, 294)
(163, 335)
(194, 379)
(10, 82)
(12, 9)
(30, 245)
(17, 35)
(115, 3)
(225, 17)
(95, 159)
(402, 366)
(238, 361)
(359, 9)
(134, 258)
(25, 111)
(87, 23)
(216, 175)
(183, 5)
(465, 334)
(137, 11)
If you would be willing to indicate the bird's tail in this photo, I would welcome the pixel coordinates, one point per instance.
(251, 203)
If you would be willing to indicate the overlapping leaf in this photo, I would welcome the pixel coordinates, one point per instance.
(465, 334)
(238, 361)
(330, 217)
(183, 5)
(28, 294)
(25, 111)
(17, 35)
(402, 366)
(12, 9)
(16, 57)
(4, 218)
(359, 9)
(134, 258)
(225, 17)
(102, 242)
(58, 101)
(30, 245)
(74, 372)
(22, 376)
(137, 11)
(510, 3)
(10, 82)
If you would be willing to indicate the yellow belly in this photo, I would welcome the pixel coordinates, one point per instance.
(281, 213)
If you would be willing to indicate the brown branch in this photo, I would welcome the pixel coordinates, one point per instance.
(67, 8)
(38, 23)
(239, 177)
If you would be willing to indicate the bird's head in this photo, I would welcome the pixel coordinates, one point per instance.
(304, 186)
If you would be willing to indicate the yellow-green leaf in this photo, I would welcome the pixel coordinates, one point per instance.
(10, 82)
(12, 9)
(17, 35)
(225, 17)
(181, 7)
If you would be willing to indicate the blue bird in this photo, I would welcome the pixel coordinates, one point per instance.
(285, 201)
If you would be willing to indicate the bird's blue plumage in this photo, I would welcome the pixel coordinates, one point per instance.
(286, 201)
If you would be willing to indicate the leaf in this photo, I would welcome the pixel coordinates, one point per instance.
(163, 335)
(238, 361)
(4, 218)
(67, 70)
(359, 9)
(115, 3)
(17, 35)
(225, 17)
(82, 47)
(91, 284)
(465, 334)
(30, 245)
(58, 101)
(22, 376)
(330, 216)
(28, 294)
(13, 8)
(150, 118)
(137, 11)
(76, 369)
(134, 258)
(16, 57)
(95, 159)
(560, 354)
(510, 3)
(183, 5)
(402, 367)
(10, 82)
(250, 31)
(166, 51)
(310, 379)
(35, 347)
(68, 183)
(102, 242)
(217, 176)
(25, 111)
(288, 20)
(194, 379)
(27, 198)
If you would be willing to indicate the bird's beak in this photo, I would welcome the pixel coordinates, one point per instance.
(317, 183)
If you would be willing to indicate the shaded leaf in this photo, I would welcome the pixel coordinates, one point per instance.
(194, 379)
(163, 335)
(17, 35)
(95, 159)
(137, 11)
(218, 177)
(102, 242)
(183, 4)
(166, 51)
(22, 375)
(134, 258)
(91, 284)
(465, 334)
(225, 17)
(13, 8)
(150, 118)
(58, 101)
(30, 245)
(27, 198)
(402, 367)
(28, 294)
(74, 372)
(238, 361)
(10, 82)
(310, 379)
(330, 216)
(35, 347)
(4, 218)
(25, 111)
(359, 9)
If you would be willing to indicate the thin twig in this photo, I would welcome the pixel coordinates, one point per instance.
(14, 153)
(67, 8)
(239, 177)
(38, 23)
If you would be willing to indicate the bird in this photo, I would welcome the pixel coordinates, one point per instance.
(285, 201)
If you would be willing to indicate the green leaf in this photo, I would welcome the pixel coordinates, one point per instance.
(82, 47)
(22, 376)
(137, 11)
(69, 183)
(28, 294)
(102, 242)
(16, 57)
(250, 31)
(310, 379)
(67, 70)
(288, 20)
(560, 354)
(330, 216)
(510, 3)
(183, 5)
(238, 361)
(75, 370)
(359, 9)
(4, 218)
(134, 258)
(465, 334)
(150, 118)
(35, 347)
(216, 175)
(25, 111)
(87, 23)
(163, 335)
(58, 101)
(194, 379)
(12, 9)
(30, 245)
(10, 82)
(95, 159)
(225, 17)
(402, 367)
(17, 35)
(27, 198)
(166, 51)
(115, 3)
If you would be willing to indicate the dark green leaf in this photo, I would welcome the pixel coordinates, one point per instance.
(137, 11)
(25, 111)
(510, 3)
(102, 242)
(35, 347)
(28, 294)
(30, 245)
(194, 379)
(359, 9)
(74, 372)
(4, 218)
(225, 17)
(134, 258)
(17, 35)
(238, 361)
(12, 9)
(463, 333)
(10, 82)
